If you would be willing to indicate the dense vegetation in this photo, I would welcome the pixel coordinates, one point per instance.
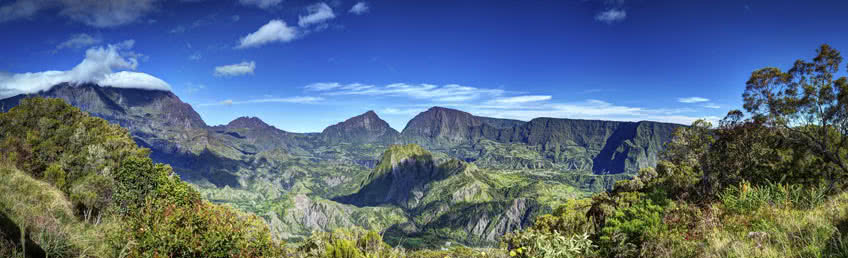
(75, 185)
(766, 182)
(769, 185)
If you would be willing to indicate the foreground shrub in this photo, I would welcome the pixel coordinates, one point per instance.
(198, 230)
(533, 243)
(746, 198)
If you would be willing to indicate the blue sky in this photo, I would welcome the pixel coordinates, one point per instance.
(304, 65)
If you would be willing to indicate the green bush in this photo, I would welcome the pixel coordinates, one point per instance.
(746, 198)
(55, 175)
(200, 230)
(533, 243)
(342, 248)
(627, 228)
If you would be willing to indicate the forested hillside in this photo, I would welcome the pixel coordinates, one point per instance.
(768, 181)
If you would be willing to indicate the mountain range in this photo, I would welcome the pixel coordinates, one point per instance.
(447, 176)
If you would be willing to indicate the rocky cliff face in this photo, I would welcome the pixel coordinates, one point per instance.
(439, 127)
(599, 146)
(365, 128)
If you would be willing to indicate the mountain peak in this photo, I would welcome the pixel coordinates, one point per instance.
(440, 125)
(247, 122)
(369, 118)
(364, 128)
(444, 109)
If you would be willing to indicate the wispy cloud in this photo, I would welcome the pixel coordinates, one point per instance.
(521, 99)
(100, 14)
(323, 86)
(79, 41)
(318, 13)
(296, 100)
(273, 31)
(711, 105)
(499, 103)
(242, 68)
(586, 109)
(445, 93)
(359, 8)
(692, 100)
(264, 4)
(611, 16)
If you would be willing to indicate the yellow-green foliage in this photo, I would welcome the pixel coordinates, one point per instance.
(47, 218)
(780, 231)
(564, 233)
(201, 229)
(396, 153)
(112, 200)
(346, 243)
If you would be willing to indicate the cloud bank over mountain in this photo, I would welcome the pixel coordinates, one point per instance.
(112, 66)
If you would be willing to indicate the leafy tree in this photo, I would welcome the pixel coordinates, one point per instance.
(809, 105)
(91, 195)
(55, 175)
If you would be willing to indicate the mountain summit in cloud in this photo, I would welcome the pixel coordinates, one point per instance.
(99, 67)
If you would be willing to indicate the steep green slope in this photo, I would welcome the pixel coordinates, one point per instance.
(454, 201)
(47, 217)
(80, 187)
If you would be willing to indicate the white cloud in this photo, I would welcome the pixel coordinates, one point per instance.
(295, 100)
(94, 13)
(97, 67)
(318, 13)
(611, 16)
(446, 93)
(125, 79)
(323, 86)
(235, 69)
(359, 8)
(522, 99)
(273, 31)
(264, 4)
(79, 41)
(499, 103)
(692, 100)
(587, 109)
(711, 105)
